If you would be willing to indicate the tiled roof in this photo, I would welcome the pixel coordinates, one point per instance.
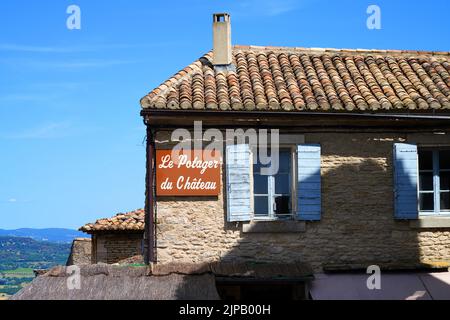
(295, 79)
(131, 221)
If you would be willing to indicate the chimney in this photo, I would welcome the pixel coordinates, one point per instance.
(222, 39)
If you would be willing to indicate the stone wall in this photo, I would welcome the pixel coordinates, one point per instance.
(80, 253)
(114, 247)
(357, 227)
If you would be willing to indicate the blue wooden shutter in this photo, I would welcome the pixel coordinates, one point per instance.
(308, 182)
(405, 181)
(239, 193)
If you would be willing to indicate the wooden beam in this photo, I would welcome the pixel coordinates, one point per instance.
(309, 121)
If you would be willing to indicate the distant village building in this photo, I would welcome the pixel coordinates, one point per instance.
(117, 238)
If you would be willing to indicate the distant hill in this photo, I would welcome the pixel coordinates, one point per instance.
(17, 252)
(57, 235)
(20, 256)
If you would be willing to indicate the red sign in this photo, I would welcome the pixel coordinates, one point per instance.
(188, 173)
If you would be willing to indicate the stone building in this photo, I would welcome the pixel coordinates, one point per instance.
(80, 252)
(117, 238)
(364, 157)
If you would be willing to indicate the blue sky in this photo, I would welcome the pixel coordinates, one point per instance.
(71, 136)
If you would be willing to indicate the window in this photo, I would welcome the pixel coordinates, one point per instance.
(272, 193)
(434, 181)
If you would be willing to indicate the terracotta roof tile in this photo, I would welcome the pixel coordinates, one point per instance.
(312, 79)
(130, 221)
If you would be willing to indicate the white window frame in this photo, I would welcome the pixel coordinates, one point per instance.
(271, 186)
(436, 182)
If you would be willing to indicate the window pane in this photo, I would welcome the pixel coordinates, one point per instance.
(282, 184)
(445, 201)
(425, 160)
(257, 163)
(445, 180)
(282, 205)
(426, 181)
(426, 201)
(261, 206)
(284, 158)
(285, 161)
(257, 168)
(444, 159)
(260, 184)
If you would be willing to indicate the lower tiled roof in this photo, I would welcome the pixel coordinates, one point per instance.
(296, 79)
(130, 221)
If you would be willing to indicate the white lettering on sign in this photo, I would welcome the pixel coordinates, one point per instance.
(192, 173)
(196, 184)
(197, 163)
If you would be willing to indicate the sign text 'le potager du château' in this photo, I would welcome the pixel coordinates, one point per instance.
(188, 173)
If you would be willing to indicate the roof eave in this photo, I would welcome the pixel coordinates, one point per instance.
(434, 114)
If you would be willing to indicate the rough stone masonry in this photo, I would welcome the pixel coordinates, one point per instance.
(357, 228)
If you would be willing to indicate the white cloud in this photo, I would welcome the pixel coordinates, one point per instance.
(82, 48)
(27, 97)
(84, 64)
(67, 65)
(35, 49)
(63, 85)
(15, 201)
(51, 130)
(45, 131)
(45, 92)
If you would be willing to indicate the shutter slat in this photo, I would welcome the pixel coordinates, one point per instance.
(309, 201)
(309, 186)
(308, 182)
(236, 180)
(238, 176)
(405, 181)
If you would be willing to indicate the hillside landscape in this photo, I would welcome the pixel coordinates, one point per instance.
(58, 235)
(25, 250)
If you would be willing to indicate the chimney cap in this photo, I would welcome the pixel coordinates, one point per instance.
(217, 17)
